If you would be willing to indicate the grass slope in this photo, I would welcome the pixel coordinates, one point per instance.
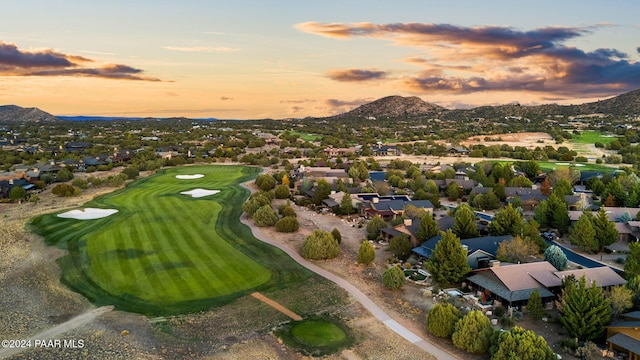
(164, 252)
(591, 137)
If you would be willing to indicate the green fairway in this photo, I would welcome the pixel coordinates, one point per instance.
(318, 333)
(591, 137)
(165, 252)
(307, 137)
(552, 165)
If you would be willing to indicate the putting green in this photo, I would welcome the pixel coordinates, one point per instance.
(318, 333)
(164, 252)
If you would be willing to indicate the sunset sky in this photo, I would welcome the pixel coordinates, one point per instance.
(281, 59)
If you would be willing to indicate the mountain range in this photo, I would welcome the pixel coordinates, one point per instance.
(399, 106)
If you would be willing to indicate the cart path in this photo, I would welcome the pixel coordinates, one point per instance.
(374, 309)
(55, 332)
(276, 305)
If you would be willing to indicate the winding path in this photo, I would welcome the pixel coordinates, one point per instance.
(374, 309)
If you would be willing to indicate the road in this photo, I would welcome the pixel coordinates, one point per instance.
(374, 309)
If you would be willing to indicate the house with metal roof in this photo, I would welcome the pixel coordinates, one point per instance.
(480, 251)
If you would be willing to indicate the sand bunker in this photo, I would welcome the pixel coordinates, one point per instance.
(188, 177)
(197, 193)
(570, 164)
(87, 214)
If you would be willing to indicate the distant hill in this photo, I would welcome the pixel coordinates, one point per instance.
(394, 106)
(398, 106)
(13, 113)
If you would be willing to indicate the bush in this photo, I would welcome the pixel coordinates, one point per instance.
(393, 278)
(265, 216)
(287, 224)
(80, 183)
(442, 319)
(320, 245)
(131, 172)
(63, 190)
(473, 333)
(287, 210)
(336, 235)
(282, 192)
(366, 253)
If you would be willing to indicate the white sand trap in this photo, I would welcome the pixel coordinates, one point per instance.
(197, 193)
(188, 177)
(570, 164)
(88, 214)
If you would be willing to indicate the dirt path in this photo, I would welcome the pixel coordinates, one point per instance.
(55, 332)
(276, 305)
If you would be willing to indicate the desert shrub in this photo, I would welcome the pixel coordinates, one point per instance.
(320, 245)
(282, 192)
(393, 278)
(265, 216)
(442, 319)
(80, 183)
(288, 224)
(366, 253)
(64, 190)
(336, 235)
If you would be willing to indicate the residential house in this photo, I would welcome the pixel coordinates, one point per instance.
(390, 207)
(409, 227)
(624, 336)
(480, 251)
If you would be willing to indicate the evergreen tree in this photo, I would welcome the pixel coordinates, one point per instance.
(633, 284)
(287, 224)
(473, 333)
(464, 224)
(366, 253)
(507, 221)
(336, 235)
(320, 245)
(606, 233)
(448, 263)
(346, 204)
(521, 344)
(17, 193)
(632, 263)
(374, 226)
(583, 234)
(531, 231)
(428, 228)
(393, 278)
(442, 319)
(559, 214)
(554, 255)
(400, 246)
(282, 192)
(265, 216)
(534, 306)
(562, 188)
(323, 189)
(584, 309)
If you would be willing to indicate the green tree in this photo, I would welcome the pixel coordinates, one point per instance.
(520, 181)
(554, 255)
(442, 319)
(531, 231)
(400, 246)
(464, 222)
(428, 228)
(282, 192)
(553, 212)
(620, 299)
(265, 182)
(393, 278)
(583, 234)
(562, 188)
(605, 230)
(448, 263)
(132, 172)
(336, 235)
(323, 189)
(17, 193)
(64, 174)
(320, 245)
(633, 284)
(346, 204)
(473, 333)
(366, 253)
(584, 309)
(520, 344)
(265, 216)
(288, 224)
(374, 226)
(632, 263)
(507, 221)
(453, 191)
(534, 306)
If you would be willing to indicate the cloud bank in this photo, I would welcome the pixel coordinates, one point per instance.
(17, 62)
(463, 60)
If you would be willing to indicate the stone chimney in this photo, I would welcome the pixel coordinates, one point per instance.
(376, 200)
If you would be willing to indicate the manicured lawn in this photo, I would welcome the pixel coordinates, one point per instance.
(591, 137)
(307, 137)
(165, 252)
(551, 165)
(318, 333)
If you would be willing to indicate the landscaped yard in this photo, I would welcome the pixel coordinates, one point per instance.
(165, 252)
(307, 137)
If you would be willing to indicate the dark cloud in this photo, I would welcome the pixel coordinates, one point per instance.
(462, 60)
(300, 101)
(335, 103)
(225, 98)
(350, 75)
(16, 62)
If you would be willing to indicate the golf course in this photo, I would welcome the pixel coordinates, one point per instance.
(174, 245)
